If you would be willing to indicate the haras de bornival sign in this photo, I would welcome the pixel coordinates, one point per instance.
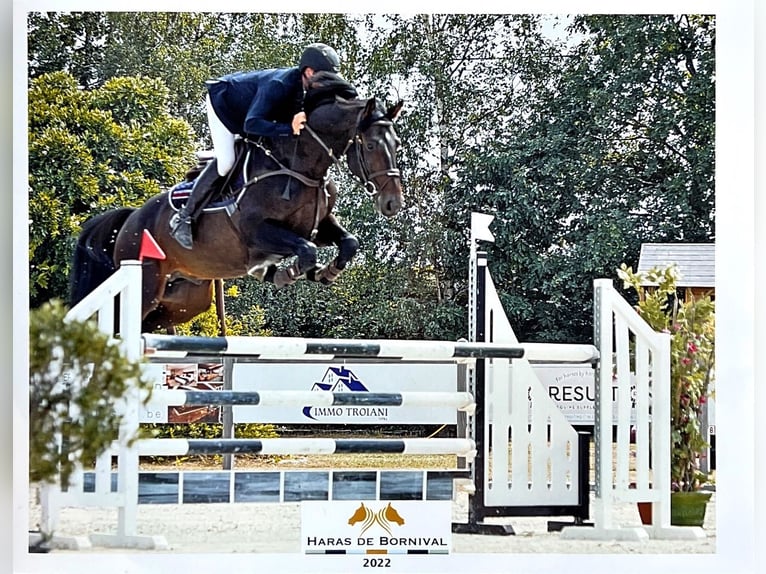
(376, 527)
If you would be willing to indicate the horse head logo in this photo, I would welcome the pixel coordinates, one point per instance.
(383, 517)
(392, 515)
(360, 514)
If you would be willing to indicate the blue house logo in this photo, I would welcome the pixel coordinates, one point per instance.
(339, 380)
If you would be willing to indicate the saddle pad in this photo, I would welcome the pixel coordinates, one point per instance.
(181, 192)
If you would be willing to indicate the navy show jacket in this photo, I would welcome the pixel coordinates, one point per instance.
(258, 103)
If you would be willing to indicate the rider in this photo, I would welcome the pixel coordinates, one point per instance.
(250, 104)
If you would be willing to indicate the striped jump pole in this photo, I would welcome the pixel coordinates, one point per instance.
(462, 401)
(286, 446)
(560, 353)
(264, 348)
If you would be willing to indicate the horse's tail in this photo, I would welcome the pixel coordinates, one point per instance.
(93, 260)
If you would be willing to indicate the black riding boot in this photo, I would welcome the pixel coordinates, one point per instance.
(180, 223)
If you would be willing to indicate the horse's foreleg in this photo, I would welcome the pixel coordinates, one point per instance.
(271, 238)
(305, 262)
(330, 232)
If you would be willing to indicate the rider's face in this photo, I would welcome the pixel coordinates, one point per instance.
(307, 73)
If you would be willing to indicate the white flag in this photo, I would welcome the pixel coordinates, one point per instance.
(480, 227)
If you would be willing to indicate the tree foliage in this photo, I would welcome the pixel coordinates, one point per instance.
(614, 149)
(75, 375)
(183, 49)
(584, 142)
(91, 150)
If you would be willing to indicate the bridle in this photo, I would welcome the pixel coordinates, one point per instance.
(366, 176)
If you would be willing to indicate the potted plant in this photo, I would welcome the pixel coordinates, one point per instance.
(691, 325)
(71, 423)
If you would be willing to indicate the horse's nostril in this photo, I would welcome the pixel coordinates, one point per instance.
(392, 207)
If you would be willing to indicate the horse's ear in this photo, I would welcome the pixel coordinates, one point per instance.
(393, 111)
(369, 108)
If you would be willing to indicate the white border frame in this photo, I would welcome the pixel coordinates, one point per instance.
(740, 334)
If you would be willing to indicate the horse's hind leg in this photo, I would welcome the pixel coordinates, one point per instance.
(330, 232)
(185, 299)
(181, 302)
(153, 287)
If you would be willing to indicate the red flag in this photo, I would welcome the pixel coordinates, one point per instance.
(149, 247)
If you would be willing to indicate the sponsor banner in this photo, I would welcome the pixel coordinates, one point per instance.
(349, 377)
(376, 527)
(186, 377)
(572, 388)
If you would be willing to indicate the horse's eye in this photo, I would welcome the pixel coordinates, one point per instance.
(370, 146)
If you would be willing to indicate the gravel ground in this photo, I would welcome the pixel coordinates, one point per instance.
(266, 538)
(275, 528)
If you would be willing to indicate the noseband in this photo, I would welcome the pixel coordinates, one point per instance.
(368, 177)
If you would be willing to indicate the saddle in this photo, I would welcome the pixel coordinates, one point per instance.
(224, 191)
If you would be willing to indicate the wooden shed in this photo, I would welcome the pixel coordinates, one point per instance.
(695, 261)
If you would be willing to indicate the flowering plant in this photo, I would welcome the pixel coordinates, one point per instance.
(691, 325)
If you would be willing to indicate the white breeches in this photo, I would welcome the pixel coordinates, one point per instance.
(223, 140)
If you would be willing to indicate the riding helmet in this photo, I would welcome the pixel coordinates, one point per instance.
(320, 57)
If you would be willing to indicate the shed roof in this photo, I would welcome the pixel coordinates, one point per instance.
(695, 261)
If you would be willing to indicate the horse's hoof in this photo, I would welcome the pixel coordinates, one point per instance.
(327, 274)
(282, 278)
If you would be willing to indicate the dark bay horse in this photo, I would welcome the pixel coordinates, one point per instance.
(283, 208)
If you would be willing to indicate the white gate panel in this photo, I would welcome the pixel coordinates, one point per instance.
(542, 466)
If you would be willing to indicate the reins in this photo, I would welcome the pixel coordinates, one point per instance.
(283, 170)
(319, 184)
(367, 177)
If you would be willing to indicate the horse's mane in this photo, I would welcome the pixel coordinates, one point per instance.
(323, 89)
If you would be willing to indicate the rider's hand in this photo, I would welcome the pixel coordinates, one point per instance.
(299, 121)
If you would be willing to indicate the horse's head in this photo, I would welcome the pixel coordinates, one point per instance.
(393, 515)
(372, 156)
(361, 129)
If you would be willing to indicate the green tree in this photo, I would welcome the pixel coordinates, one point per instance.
(458, 84)
(583, 144)
(614, 147)
(70, 42)
(91, 150)
(182, 49)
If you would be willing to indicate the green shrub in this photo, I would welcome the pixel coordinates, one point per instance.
(691, 326)
(60, 353)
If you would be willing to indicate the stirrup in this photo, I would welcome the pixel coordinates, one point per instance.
(177, 219)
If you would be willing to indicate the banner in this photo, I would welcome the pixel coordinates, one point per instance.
(347, 378)
(376, 527)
